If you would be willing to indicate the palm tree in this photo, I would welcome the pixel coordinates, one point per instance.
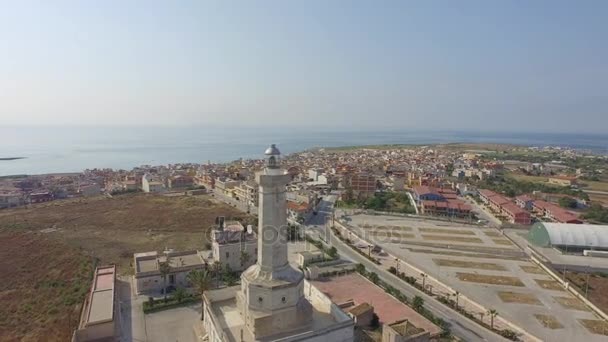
(217, 271)
(493, 313)
(164, 268)
(418, 303)
(201, 281)
(244, 258)
(456, 294)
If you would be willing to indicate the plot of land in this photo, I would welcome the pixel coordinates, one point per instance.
(47, 252)
(446, 231)
(548, 321)
(469, 264)
(571, 303)
(451, 238)
(549, 284)
(489, 279)
(492, 233)
(595, 326)
(392, 234)
(504, 242)
(521, 298)
(597, 287)
(531, 269)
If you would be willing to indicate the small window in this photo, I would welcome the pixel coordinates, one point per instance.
(260, 299)
(283, 300)
(227, 255)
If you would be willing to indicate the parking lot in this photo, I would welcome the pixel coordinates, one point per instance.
(486, 267)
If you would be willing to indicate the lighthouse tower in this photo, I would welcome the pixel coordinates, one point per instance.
(271, 300)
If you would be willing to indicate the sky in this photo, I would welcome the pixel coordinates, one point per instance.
(462, 65)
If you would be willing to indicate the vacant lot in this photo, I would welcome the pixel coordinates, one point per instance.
(548, 321)
(571, 303)
(112, 229)
(597, 288)
(531, 269)
(451, 238)
(549, 284)
(446, 231)
(595, 326)
(521, 298)
(43, 286)
(503, 242)
(392, 234)
(489, 279)
(48, 252)
(469, 264)
(492, 233)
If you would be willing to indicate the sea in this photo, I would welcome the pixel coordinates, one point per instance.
(54, 149)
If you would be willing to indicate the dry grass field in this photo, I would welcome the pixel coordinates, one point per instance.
(392, 234)
(571, 303)
(503, 242)
(48, 252)
(446, 231)
(520, 298)
(531, 269)
(595, 326)
(549, 284)
(548, 321)
(597, 288)
(451, 238)
(492, 233)
(469, 264)
(489, 279)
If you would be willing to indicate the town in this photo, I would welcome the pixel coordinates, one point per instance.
(443, 243)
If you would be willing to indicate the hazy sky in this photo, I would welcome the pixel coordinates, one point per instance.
(473, 65)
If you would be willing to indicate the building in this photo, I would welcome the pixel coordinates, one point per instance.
(233, 246)
(273, 302)
(151, 183)
(148, 278)
(440, 202)
(247, 193)
(515, 214)
(11, 199)
(89, 190)
(225, 186)
(403, 331)
(569, 238)
(524, 202)
(98, 319)
(363, 184)
(40, 197)
(554, 212)
(362, 314)
(180, 181)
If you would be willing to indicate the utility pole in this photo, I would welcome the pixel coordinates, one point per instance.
(587, 283)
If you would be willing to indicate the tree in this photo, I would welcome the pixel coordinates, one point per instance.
(493, 313)
(179, 294)
(373, 277)
(332, 252)
(392, 270)
(217, 272)
(201, 281)
(567, 202)
(164, 268)
(457, 295)
(245, 257)
(360, 268)
(418, 303)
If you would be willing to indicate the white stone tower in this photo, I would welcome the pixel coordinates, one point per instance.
(271, 300)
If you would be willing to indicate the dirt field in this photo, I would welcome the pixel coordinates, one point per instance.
(48, 252)
(595, 326)
(392, 234)
(489, 279)
(43, 286)
(446, 231)
(597, 289)
(469, 264)
(548, 321)
(549, 284)
(531, 269)
(451, 238)
(521, 298)
(571, 303)
(492, 234)
(503, 242)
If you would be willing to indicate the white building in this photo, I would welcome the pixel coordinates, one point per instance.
(273, 302)
(150, 183)
(234, 246)
(148, 278)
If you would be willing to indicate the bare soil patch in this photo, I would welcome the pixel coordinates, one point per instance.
(446, 231)
(489, 279)
(549, 284)
(520, 298)
(595, 326)
(451, 238)
(571, 303)
(596, 290)
(531, 269)
(548, 321)
(503, 242)
(492, 233)
(392, 228)
(469, 264)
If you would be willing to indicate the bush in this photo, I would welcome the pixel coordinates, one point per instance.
(392, 270)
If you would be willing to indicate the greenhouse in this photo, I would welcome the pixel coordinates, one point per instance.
(569, 237)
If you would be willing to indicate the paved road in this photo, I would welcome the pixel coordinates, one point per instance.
(460, 325)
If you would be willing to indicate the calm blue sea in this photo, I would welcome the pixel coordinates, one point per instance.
(73, 149)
